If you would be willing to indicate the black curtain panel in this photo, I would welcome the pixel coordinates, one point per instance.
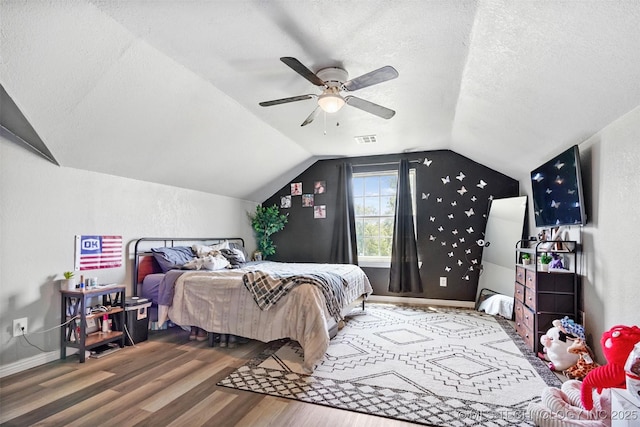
(344, 249)
(405, 274)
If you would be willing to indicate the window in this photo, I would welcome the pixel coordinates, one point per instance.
(374, 200)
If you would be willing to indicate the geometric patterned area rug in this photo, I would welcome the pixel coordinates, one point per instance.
(427, 365)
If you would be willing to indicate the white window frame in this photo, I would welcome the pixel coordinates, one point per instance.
(385, 261)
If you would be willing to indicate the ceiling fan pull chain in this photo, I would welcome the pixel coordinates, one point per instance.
(325, 122)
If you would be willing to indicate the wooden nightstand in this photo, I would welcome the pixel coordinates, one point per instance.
(74, 304)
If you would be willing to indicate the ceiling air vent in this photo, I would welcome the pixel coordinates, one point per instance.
(366, 139)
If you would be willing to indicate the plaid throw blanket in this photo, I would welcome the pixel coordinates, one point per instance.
(267, 288)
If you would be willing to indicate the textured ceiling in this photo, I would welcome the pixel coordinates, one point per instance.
(168, 91)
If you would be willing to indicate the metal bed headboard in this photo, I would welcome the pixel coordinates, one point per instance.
(168, 242)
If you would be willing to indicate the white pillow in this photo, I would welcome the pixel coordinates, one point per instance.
(209, 262)
(217, 262)
(202, 250)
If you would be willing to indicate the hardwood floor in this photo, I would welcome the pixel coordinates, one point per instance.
(165, 381)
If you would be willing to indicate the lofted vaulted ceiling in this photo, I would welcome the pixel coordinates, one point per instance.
(168, 91)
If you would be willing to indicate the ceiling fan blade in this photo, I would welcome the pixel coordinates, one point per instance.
(299, 68)
(311, 117)
(285, 100)
(370, 107)
(372, 78)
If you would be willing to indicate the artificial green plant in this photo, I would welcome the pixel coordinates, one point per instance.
(265, 222)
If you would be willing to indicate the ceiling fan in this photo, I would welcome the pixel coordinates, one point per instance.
(334, 80)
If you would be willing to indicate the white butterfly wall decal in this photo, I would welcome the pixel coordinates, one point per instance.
(558, 165)
(537, 177)
(460, 263)
(427, 162)
(432, 218)
(450, 254)
(450, 216)
(462, 190)
(455, 231)
(425, 196)
(445, 180)
(440, 228)
(447, 269)
(432, 237)
(439, 199)
(555, 204)
(474, 198)
(460, 176)
(482, 184)
(470, 212)
(470, 230)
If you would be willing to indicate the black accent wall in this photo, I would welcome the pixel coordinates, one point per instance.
(452, 199)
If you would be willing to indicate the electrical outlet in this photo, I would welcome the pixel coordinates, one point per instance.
(19, 327)
(443, 281)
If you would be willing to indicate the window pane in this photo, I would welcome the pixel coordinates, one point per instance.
(358, 206)
(371, 206)
(371, 247)
(387, 205)
(371, 186)
(388, 184)
(371, 227)
(385, 247)
(386, 227)
(358, 186)
(360, 235)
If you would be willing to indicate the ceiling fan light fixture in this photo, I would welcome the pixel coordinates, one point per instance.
(330, 102)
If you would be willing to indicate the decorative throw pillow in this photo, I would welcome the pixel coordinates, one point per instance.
(238, 246)
(234, 256)
(170, 258)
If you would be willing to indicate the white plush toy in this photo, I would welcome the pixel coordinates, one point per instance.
(555, 348)
(562, 408)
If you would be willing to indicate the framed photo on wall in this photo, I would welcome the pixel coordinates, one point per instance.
(296, 189)
(307, 200)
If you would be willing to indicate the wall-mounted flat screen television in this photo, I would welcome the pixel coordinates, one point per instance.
(557, 191)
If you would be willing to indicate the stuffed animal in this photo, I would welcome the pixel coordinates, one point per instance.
(570, 327)
(616, 343)
(555, 345)
(585, 364)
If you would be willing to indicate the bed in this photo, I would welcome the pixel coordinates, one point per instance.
(301, 301)
(492, 302)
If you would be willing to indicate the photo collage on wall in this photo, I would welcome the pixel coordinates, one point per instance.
(308, 200)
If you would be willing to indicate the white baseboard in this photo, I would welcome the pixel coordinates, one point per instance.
(421, 301)
(32, 362)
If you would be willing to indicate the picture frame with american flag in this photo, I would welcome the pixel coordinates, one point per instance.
(96, 252)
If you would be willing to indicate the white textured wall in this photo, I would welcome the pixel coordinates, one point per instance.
(44, 206)
(611, 174)
(612, 290)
